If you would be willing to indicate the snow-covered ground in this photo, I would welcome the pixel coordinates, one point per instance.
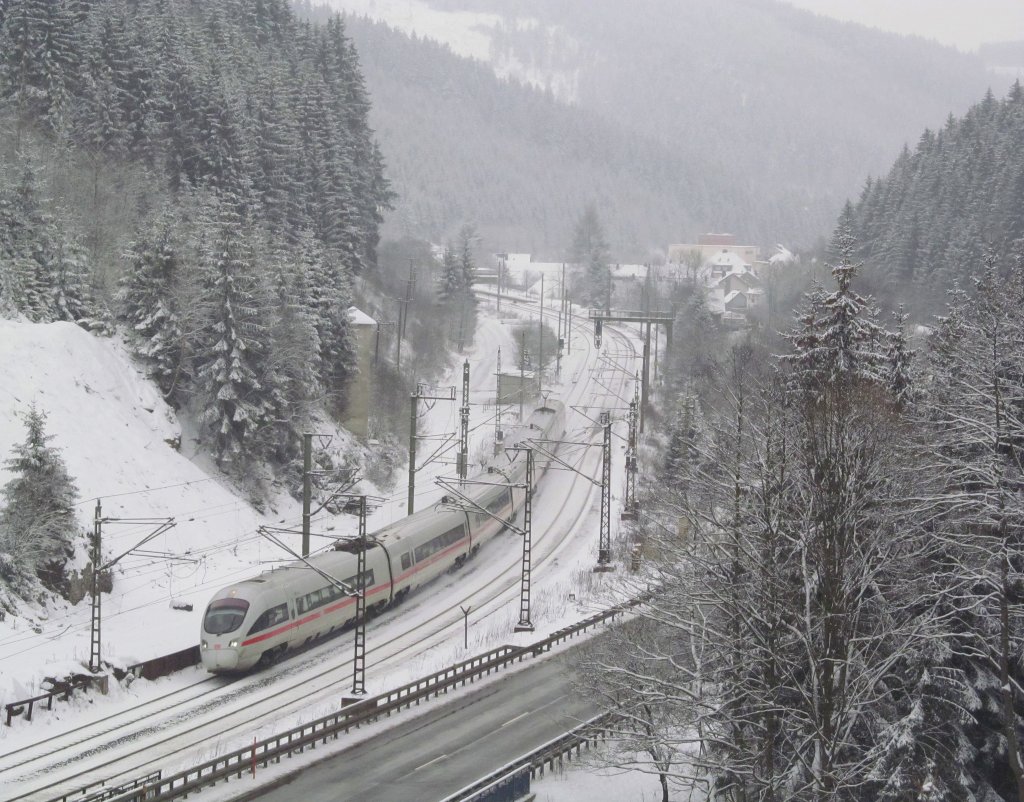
(115, 433)
(114, 429)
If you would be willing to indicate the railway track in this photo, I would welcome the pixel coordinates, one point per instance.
(166, 729)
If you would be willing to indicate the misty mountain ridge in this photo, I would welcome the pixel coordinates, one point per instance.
(778, 114)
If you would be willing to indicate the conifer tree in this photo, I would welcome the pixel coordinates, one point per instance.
(899, 358)
(590, 249)
(36, 53)
(452, 283)
(467, 263)
(37, 522)
(975, 418)
(149, 299)
(235, 400)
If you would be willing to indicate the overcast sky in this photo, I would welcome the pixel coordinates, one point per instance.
(962, 23)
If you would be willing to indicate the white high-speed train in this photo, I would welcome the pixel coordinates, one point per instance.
(257, 620)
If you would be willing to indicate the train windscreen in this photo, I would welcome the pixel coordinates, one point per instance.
(224, 616)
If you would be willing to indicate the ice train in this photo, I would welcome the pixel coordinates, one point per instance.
(256, 621)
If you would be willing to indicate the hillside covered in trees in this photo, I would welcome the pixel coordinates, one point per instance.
(205, 175)
(945, 205)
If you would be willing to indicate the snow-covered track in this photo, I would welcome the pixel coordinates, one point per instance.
(162, 736)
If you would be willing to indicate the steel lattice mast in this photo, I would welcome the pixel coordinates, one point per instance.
(604, 548)
(359, 659)
(525, 625)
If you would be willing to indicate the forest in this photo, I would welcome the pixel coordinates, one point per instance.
(836, 533)
(202, 175)
(932, 219)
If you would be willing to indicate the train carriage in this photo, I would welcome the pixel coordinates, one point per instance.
(258, 620)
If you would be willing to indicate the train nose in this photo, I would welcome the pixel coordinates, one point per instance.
(218, 657)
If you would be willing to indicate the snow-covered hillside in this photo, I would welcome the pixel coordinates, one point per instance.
(474, 35)
(119, 441)
(115, 434)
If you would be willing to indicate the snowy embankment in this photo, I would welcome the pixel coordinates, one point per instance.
(126, 447)
(118, 439)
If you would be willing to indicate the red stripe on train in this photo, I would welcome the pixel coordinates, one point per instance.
(298, 622)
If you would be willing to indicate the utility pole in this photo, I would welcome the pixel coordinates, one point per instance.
(498, 409)
(630, 505)
(359, 659)
(307, 488)
(522, 371)
(94, 629)
(568, 327)
(414, 398)
(561, 317)
(525, 625)
(161, 524)
(463, 459)
(414, 403)
(403, 313)
(540, 342)
(645, 384)
(376, 343)
(501, 270)
(604, 548)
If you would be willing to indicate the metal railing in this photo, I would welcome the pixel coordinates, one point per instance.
(512, 781)
(307, 736)
(62, 689)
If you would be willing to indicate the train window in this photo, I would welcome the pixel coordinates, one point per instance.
(438, 543)
(270, 618)
(407, 560)
(352, 581)
(499, 503)
(224, 616)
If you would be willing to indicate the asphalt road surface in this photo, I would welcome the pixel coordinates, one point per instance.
(447, 747)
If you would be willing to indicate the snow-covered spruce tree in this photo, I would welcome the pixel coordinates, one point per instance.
(853, 536)
(898, 361)
(838, 338)
(452, 284)
(467, 263)
(37, 522)
(328, 287)
(590, 249)
(974, 410)
(36, 54)
(43, 271)
(149, 303)
(236, 398)
(293, 360)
